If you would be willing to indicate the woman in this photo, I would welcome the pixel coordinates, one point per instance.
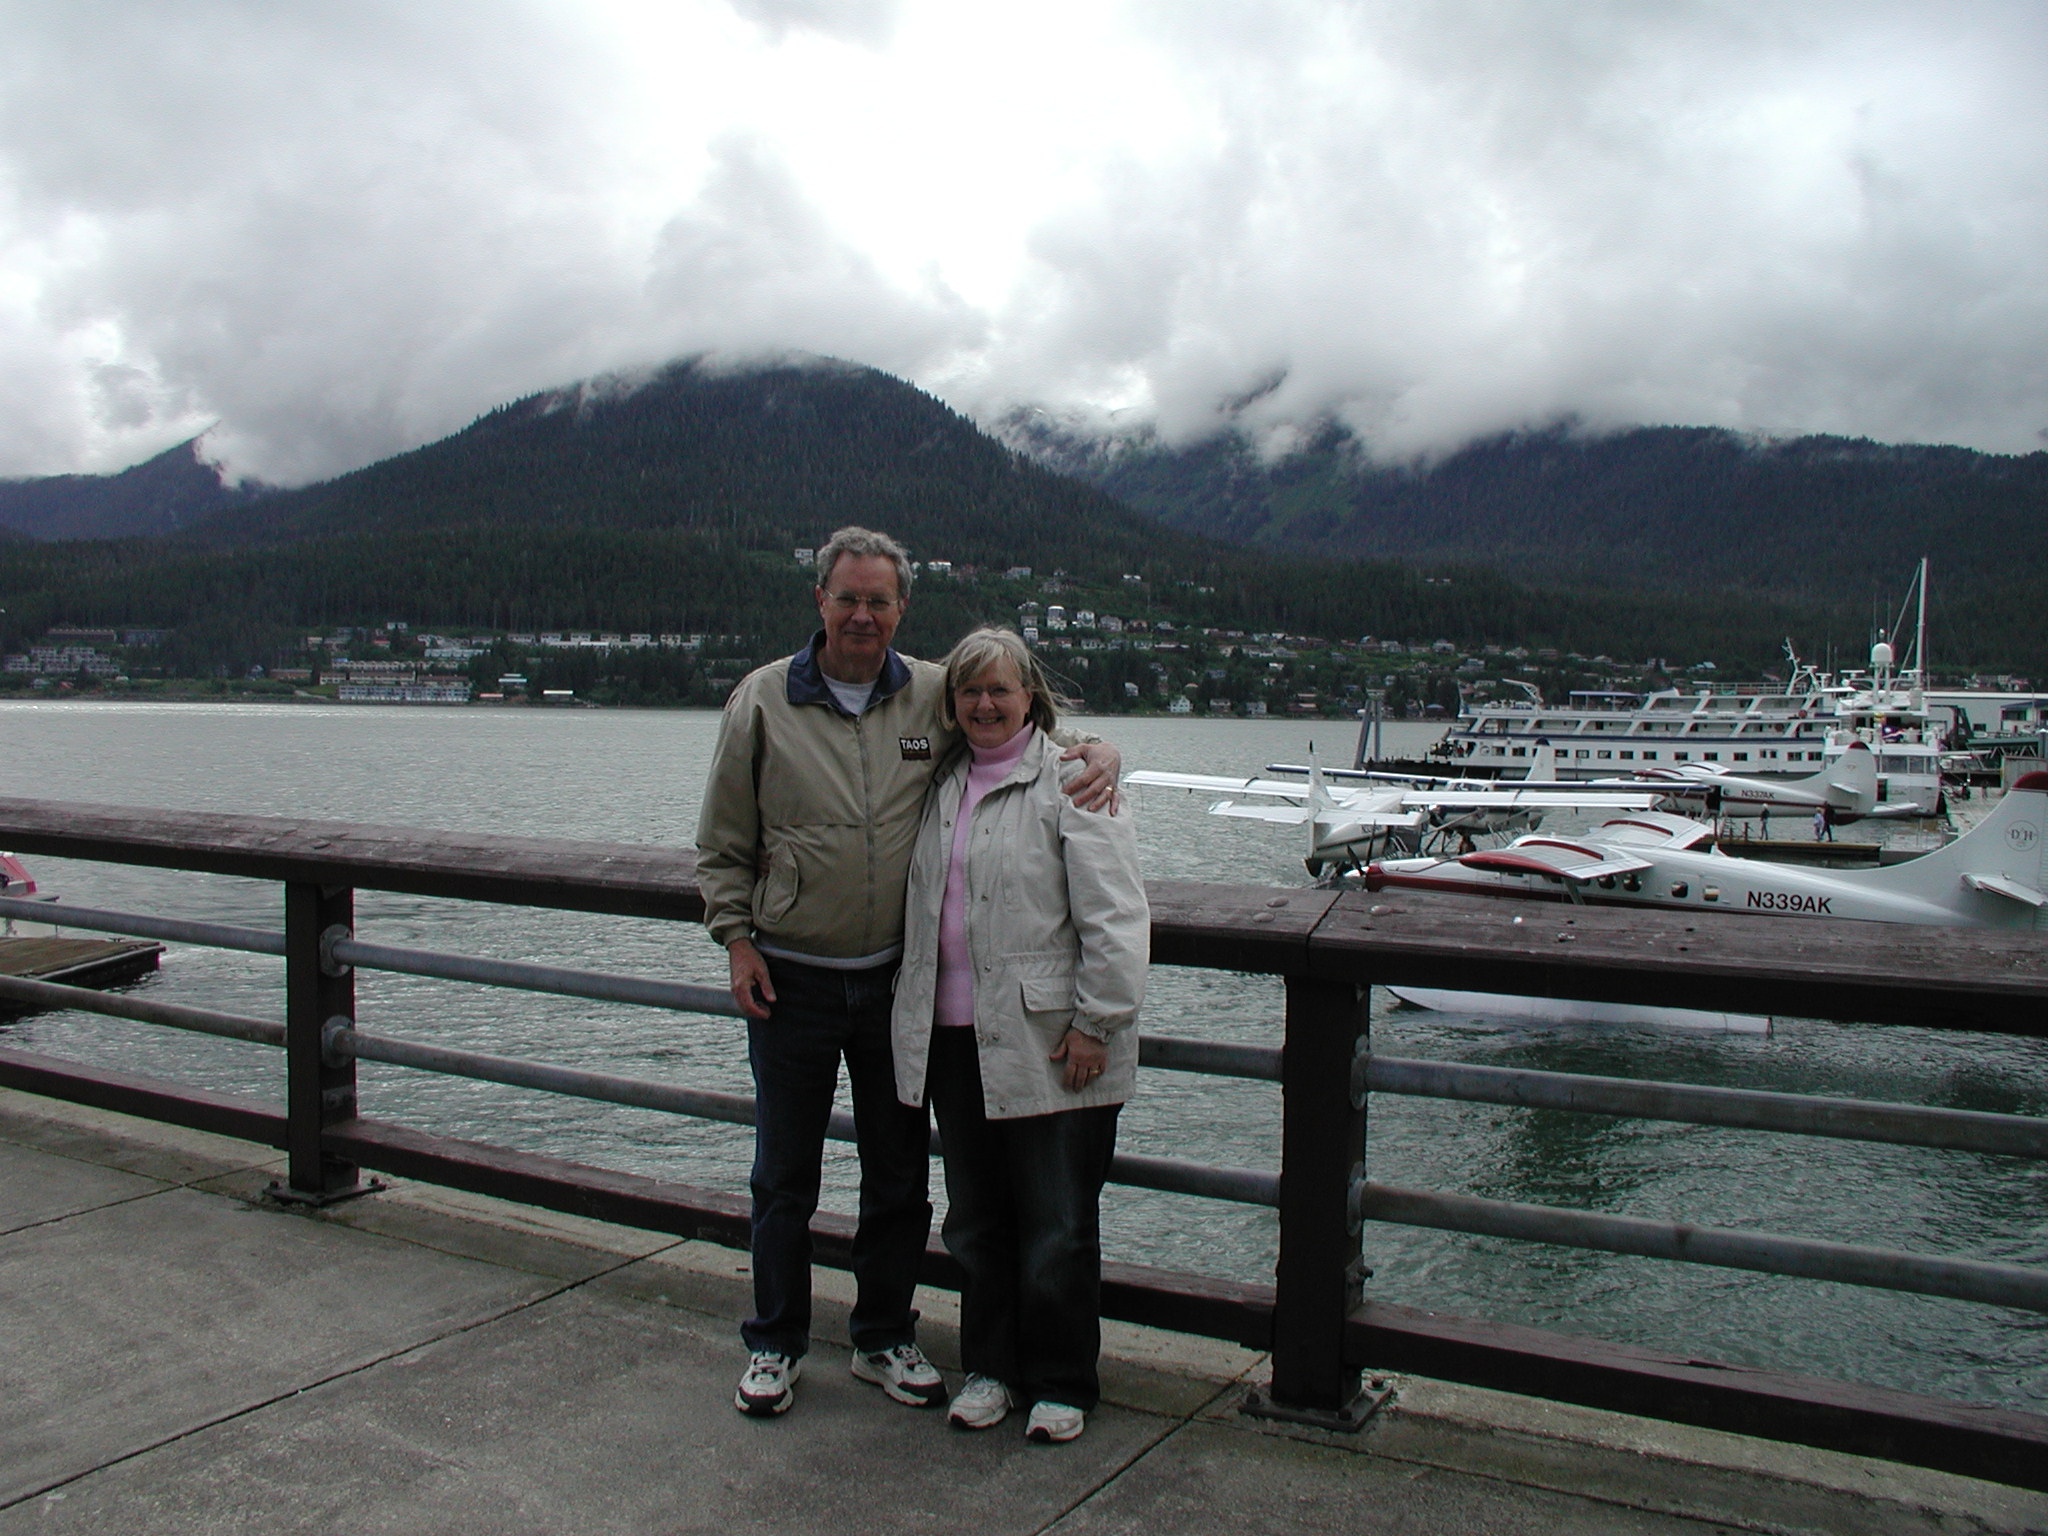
(1026, 939)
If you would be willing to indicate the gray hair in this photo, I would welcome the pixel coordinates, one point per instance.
(860, 542)
(986, 648)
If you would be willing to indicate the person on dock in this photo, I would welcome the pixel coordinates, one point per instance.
(1824, 824)
(1025, 945)
(803, 846)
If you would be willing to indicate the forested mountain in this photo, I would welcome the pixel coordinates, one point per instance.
(1810, 520)
(158, 496)
(672, 502)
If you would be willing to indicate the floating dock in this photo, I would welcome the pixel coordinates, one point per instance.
(75, 962)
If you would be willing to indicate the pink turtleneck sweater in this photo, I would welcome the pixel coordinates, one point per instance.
(954, 1004)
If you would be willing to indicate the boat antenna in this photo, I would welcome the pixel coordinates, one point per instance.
(1919, 586)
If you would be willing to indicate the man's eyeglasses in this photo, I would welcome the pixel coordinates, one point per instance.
(846, 602)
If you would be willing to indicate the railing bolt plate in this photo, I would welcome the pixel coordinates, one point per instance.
(1347, 1420)
(329, 937)
(284, 1194)
(334, 1041)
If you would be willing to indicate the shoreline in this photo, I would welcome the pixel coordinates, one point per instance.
(101, 697)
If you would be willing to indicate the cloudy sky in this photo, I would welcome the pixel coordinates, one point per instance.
(331, 231)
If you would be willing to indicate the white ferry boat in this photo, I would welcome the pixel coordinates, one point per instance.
(1598, 734)
(1791, 732)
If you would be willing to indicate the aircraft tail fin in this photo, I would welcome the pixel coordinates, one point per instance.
(1320, 803)
(1849, 783)
(2005, 855)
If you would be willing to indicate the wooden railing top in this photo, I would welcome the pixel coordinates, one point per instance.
(623, 879)
(1819, 968)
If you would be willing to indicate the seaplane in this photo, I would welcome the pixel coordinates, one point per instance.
(1993, 876)
(1846, 789)
(1349, 826)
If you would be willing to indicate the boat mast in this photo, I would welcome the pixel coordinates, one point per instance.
(1920, 636)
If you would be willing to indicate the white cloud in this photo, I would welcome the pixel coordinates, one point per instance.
(869, 22)
(341, 231)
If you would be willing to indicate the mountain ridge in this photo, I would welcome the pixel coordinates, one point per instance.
(1667, 506)
(154, 498)
(672, 499)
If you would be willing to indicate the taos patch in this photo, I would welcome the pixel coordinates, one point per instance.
(916, 749)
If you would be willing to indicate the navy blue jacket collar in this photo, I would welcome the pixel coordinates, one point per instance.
(807, 680)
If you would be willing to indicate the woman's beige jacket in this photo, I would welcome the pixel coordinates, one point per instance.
(1057, 928)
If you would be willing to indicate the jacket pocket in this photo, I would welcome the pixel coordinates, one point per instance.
(777, 893)
(1047, 994)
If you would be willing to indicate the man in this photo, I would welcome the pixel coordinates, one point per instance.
(803, 850)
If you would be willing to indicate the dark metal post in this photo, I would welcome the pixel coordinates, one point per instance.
(318, 1091)
(1320, 1276)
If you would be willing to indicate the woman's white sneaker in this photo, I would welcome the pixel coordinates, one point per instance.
(982, 1404)
(1052, 1423)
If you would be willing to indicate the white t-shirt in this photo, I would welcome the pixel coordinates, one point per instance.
(854, 698)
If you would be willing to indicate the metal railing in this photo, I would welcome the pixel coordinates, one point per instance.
(1327, 947)
(1907, 1125)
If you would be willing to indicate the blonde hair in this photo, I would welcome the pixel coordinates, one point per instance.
(987, 648)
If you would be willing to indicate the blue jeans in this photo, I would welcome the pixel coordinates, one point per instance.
(1023, 1201)
(820, 1016)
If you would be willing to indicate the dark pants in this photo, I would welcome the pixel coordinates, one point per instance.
(820, 1016)
(1022, 1219)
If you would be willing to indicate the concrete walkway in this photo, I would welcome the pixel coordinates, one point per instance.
(176, 1355)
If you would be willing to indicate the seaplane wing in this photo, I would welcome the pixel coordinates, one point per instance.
(1577, 862)
(1328, 816)
(1279, 815)
(1655, 829)
(1542, 772)
(1375, 804)
(1218, 784)
(1571, 797)
(1382, 778)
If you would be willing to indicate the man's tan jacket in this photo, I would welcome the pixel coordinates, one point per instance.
(810, 814)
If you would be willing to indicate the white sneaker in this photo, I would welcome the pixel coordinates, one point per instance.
(903, 1373)
(769, 1386)
(982, 1404)
(1052, 1423)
